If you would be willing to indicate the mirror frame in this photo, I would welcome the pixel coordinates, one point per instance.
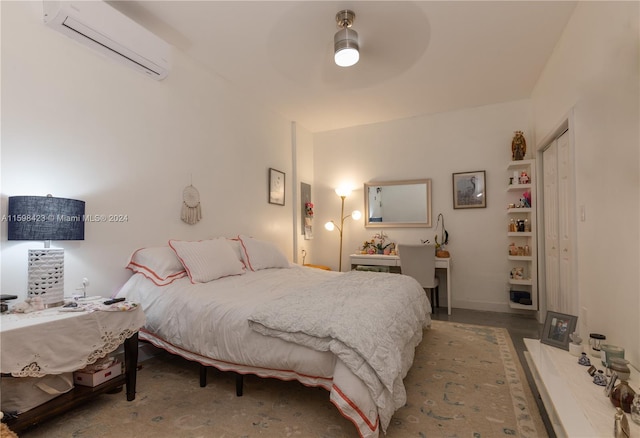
(426, 224)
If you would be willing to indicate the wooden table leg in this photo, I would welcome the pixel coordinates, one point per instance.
(131, 364)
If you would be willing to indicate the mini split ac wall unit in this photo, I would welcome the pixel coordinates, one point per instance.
(113, 34)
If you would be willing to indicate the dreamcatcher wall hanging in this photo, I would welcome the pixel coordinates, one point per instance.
(191, 211)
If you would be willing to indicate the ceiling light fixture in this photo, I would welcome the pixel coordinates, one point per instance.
(345, 41)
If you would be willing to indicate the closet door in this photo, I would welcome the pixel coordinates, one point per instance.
(566, 229)
(559, 226)
(551, 241)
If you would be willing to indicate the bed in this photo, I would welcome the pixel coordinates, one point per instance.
(239, 305)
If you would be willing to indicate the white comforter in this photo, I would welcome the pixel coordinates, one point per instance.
(209, 323)
(359, 317)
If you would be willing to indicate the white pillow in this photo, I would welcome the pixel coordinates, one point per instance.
(236, 245)
(258, 254)
(207, 260)
(159, 264)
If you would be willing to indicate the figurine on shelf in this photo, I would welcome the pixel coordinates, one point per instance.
(523, 178)
(518, 146)
(620, 425)
(575, 338)
(584, 360)
(527, 198)
(517, 273)
(600, 379)
(635, 408)
(30, 304)
(575, 346)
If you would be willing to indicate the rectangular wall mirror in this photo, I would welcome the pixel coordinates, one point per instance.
(398, 204)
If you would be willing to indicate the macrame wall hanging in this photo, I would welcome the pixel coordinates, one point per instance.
(191, 211)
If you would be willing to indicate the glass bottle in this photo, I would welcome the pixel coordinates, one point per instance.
(635, 408)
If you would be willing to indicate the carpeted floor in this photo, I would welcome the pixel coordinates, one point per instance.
(466, 382)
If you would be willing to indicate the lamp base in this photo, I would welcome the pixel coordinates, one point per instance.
(46, 276)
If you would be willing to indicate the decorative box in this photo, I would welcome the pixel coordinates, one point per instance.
(521, 297)
(97, 377)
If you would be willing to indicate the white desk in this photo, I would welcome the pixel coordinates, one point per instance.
(394, 261)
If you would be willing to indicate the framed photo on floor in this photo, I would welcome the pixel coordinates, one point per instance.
(557, 328)
(469, 189)
(276, 187)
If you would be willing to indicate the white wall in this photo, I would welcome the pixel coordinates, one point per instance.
(594, 72)
(77, 125)
(429, 147)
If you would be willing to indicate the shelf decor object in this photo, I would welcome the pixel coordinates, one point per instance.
(45, 218)
(557, 328)
(518, 146)
(191, 212)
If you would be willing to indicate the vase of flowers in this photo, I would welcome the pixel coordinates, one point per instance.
(380, 242)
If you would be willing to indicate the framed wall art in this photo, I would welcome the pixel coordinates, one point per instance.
(276, 187)
(469, 189)
(307, 210)
(557, 328)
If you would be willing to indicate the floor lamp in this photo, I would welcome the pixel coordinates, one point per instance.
(331, 225)
(45, 218)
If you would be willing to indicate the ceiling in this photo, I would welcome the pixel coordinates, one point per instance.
(416, 58)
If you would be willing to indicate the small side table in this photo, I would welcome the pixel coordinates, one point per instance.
(74, 340)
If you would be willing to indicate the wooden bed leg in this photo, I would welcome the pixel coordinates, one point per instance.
(239, 384)
(203, 376)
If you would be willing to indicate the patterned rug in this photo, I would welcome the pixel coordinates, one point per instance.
(466, 381)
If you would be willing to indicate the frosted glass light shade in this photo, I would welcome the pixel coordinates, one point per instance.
(343, 191)
(346, 49)
(347, 57)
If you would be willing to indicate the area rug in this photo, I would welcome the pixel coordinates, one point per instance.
(466, 381)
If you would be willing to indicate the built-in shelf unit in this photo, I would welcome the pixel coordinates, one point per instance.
(521, 231)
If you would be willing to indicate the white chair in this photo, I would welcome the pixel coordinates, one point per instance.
(419, 262)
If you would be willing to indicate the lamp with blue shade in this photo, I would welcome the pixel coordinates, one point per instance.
(45, 218)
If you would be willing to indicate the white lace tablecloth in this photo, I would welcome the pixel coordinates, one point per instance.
(54, 342)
